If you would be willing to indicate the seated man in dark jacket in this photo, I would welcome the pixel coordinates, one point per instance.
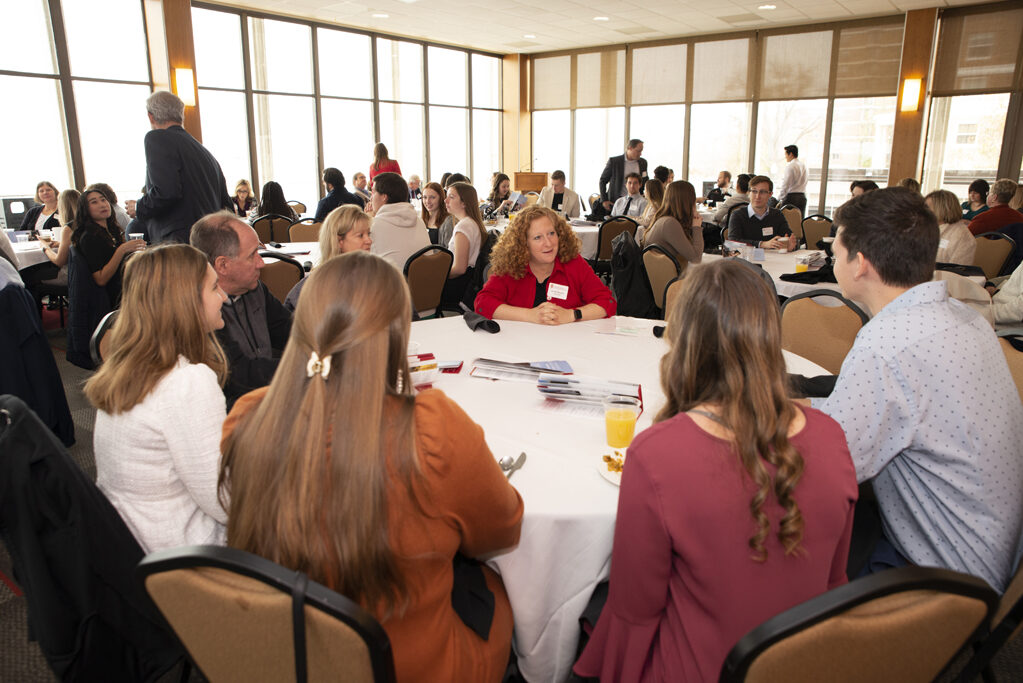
(758, 224)
(334, 181)
(256, 325)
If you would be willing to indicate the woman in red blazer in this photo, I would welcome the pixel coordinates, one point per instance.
(538, 276)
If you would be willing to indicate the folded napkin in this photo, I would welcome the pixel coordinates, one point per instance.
(811, 277)
(475, 321)
(812, 387)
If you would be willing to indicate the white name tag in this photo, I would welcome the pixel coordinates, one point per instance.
(768, 232)
(943, 244)
(556, 291)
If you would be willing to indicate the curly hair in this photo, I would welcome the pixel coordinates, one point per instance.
(510, 254)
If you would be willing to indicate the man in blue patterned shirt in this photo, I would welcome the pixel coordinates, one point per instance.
(925, 398)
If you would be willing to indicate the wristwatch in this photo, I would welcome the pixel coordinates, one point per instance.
(578, 314)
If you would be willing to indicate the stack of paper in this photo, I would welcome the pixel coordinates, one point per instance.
(587, 390)
(518, 372)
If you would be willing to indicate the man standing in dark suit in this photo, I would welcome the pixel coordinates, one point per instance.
(183, 180)
(612, 180)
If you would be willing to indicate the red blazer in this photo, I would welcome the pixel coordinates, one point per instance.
(584, 287)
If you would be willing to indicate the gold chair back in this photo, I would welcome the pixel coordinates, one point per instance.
(991, 253)
(304, 232)
(1015, 360)
(280, 276)
(814, 229)
(819, 333)
(661, 268)
(611, 229)
(298, 207)
(426, 272)
(794, 218)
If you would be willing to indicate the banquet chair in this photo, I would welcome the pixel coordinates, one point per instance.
(99, 342)
(661, 267)
(532, 198)
(271, 228)
(671, 292)
(305, 230)
(426, 272)
(245, 618)
(281, 274)
(813, 229)
(903, 624)
(822, 334)
(297, 207)
(1015, 360)
(610, 229)
(993, 252)
(794, 217)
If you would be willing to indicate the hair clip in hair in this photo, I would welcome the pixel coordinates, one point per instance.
(317, 366)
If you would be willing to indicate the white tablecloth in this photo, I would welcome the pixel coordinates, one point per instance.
(587, 235)
(29, 254)
(777, 264)
(567, 530)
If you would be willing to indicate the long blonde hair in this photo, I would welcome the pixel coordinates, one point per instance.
(338, 223)
(67, 206)
(725, 334)
(510, 254)
(470, 200)
(307, 471)
(161, 319)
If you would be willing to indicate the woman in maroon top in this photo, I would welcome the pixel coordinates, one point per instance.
(538, 276)
(381, 163)
(734, 506)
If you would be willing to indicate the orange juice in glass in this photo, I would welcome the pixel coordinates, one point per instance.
(620, 413)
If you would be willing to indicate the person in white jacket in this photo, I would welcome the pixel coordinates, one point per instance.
(398, 230)
(1007, 301)
(567, 203)
(159, 404)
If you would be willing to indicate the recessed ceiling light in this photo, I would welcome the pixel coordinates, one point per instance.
(768, 7)
(529, 35)
(380, 15)
(600, 19)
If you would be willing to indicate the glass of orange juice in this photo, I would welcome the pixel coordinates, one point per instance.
(620, 413)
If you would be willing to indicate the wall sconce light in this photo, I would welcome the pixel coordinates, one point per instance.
(910, 94)
(184, 86)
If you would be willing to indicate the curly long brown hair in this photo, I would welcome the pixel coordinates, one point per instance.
(725, 334)
(510, 254)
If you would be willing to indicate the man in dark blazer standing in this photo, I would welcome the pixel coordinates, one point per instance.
(612, 180)
(183, 180)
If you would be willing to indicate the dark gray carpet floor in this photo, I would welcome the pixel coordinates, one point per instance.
(22, 662)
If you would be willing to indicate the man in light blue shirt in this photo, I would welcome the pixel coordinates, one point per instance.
(632, 203)
(925, 398)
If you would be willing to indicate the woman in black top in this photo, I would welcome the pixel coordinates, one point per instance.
(101, 242)
(274, 203)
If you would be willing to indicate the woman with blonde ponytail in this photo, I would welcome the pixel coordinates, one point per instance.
(736, 505)
(339, 470)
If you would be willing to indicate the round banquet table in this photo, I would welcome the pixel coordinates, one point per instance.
(29, 254)
(568, 525)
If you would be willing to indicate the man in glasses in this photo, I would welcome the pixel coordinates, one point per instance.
(759, 224)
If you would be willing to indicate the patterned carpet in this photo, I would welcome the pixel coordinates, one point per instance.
(22, 662)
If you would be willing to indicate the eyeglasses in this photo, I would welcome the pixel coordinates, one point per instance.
(760, 192)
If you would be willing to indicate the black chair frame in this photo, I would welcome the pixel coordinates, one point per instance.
(609, 219)
(815, 293)
(657, 247)
(425, 250)
(288, 582)
(97, 335)
(286, 259)
(809, 218)
(843, 598)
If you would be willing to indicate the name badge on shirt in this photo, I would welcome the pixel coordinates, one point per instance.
(556, 291)
(768, 232)
(943, 244)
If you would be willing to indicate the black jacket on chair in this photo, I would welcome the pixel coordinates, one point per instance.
(183, 183)
(75, 560)
(29, 370)
(629, 282)
(87, 304)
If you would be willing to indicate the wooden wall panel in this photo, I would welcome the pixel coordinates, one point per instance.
(907, 139)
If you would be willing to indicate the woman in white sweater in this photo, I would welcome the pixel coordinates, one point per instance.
(956, 243)
(159, 402)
